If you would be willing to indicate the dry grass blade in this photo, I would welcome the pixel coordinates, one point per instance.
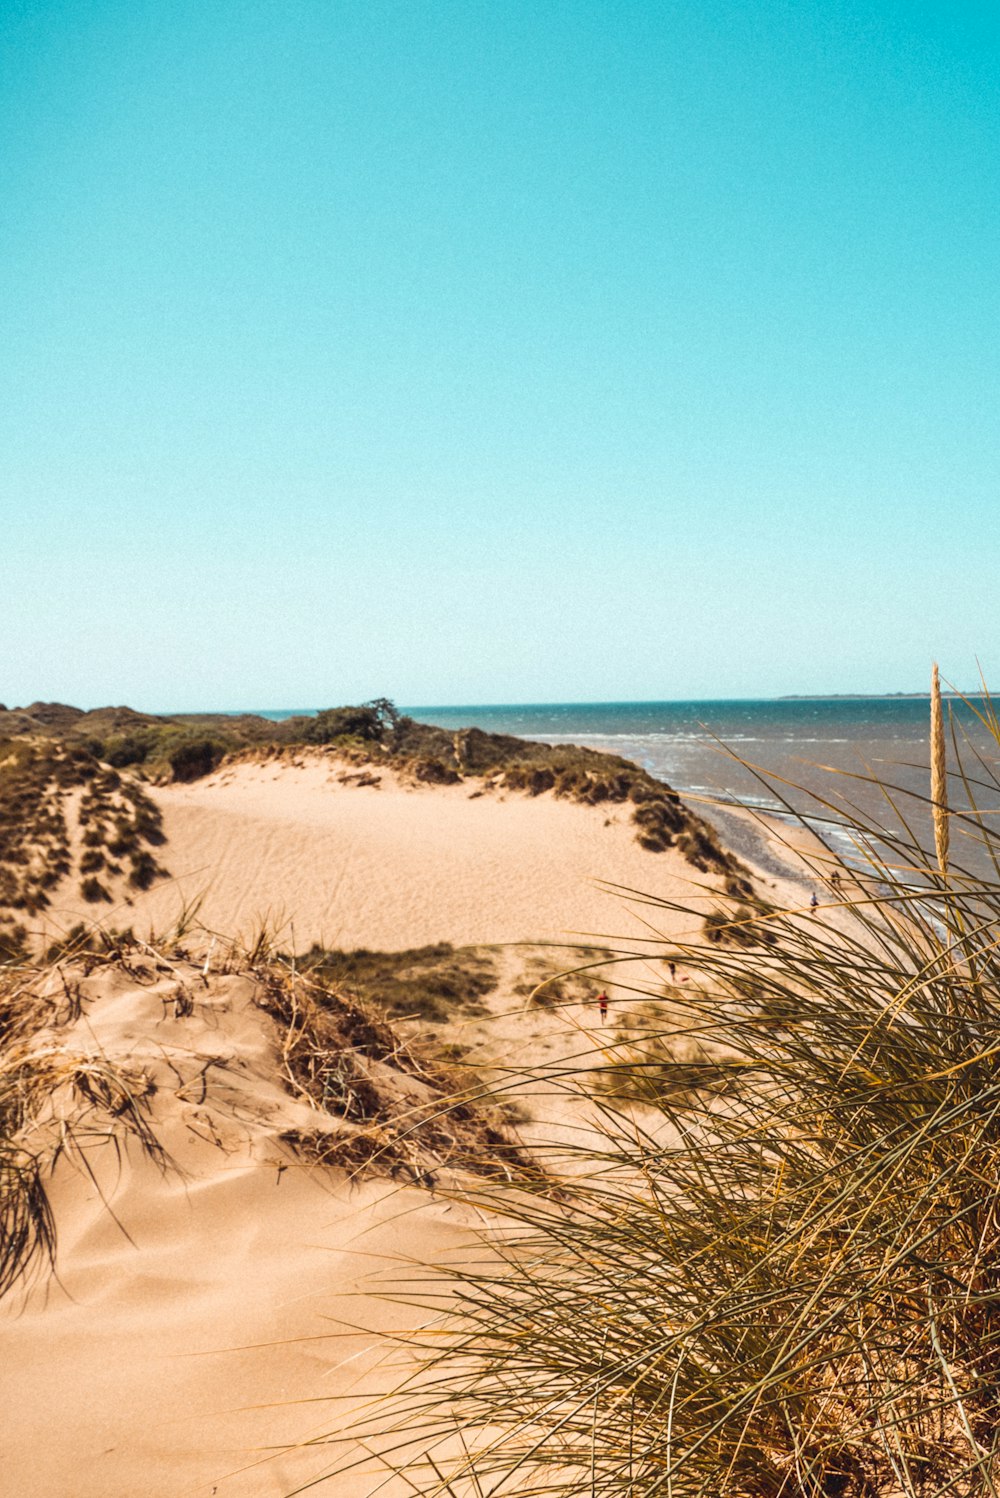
(939, 775)
(791, 1290)
(104, 1104)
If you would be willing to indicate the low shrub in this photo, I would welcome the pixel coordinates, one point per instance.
(194, 758)
(435, 772)
(128, 750)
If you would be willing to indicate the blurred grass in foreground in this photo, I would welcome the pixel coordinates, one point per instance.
(786, 1288)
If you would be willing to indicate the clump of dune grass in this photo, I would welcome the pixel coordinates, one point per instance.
(794, 1290)
(34, 838)
(403, 1106)
(546, 984)
(117, 820)
(26, 1227)
(434, 983)
(104, 1103)
(645, 1064)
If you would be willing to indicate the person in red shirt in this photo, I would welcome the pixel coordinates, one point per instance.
(602, 1004)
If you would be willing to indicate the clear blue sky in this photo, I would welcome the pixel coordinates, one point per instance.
(480, 350)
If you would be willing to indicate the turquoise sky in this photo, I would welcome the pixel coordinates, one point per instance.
(500, 351)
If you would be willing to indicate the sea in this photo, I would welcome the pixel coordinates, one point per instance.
(826, 760)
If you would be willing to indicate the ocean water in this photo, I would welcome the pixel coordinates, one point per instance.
(821, 758)
(779, 755)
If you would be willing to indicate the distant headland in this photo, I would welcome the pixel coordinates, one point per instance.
(861, 696)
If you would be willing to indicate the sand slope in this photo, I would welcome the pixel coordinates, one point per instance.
(197, 1331)
(387, 866)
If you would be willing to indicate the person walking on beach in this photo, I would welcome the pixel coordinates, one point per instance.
(813, 902)
(672, 970)
(602, 1004)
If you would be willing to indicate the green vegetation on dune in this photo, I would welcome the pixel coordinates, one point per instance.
(49, 751)
(41, 781)
(34, 838)
(188, 746)
(435, 984)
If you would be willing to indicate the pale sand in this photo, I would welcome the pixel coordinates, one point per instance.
(387, 867)
(189, 1327)
(173, 1356)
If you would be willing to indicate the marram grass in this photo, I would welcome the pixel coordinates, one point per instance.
(790, 1288)
(106, 1105)
(939, 775)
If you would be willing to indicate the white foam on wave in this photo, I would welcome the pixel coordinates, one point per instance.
(655, 737)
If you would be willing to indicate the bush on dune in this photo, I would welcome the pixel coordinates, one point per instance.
(195, 758)
(370, 722)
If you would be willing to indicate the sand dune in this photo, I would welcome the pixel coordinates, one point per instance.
(386, 866)
(197, 1338)
(203, 1300)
